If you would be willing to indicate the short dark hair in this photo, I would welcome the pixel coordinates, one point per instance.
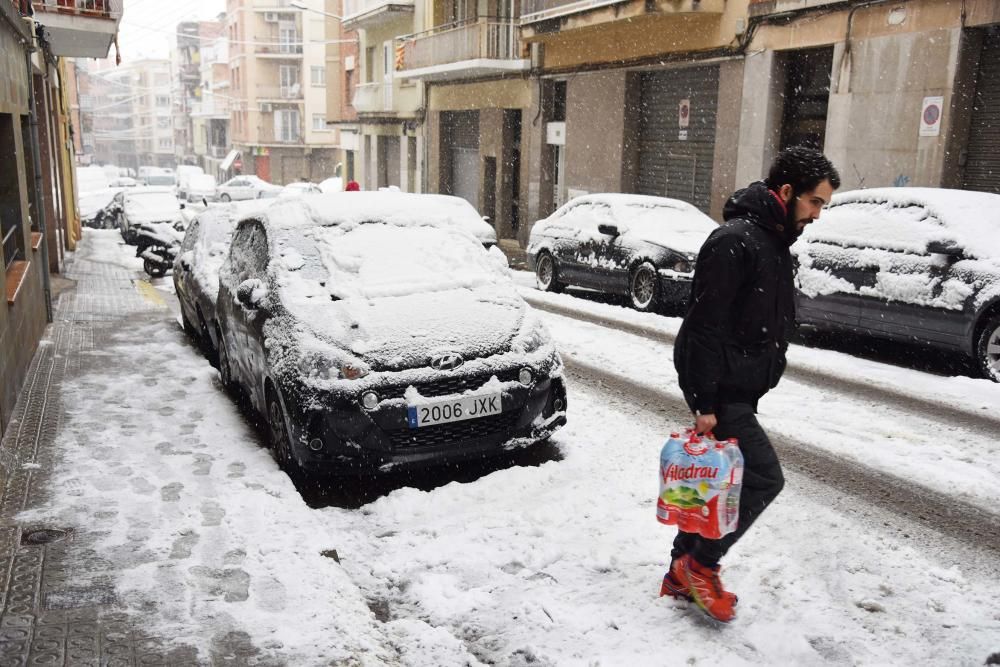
(803, 168)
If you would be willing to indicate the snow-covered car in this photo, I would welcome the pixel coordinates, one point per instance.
(196, 270)
(200, 187)
(184, 174)
(459, 212)
(298, 190)
(909, 264)
(635, 245)
(245, 187)
(145, 206)
(123, 182)
(160, 177)
(372, 332)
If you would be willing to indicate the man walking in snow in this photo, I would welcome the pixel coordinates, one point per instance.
(730, 349)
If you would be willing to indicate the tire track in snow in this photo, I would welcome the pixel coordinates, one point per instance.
(989, 425)
(923, 508)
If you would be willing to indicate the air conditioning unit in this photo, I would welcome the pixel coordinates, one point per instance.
(271, 17)
(265, 107)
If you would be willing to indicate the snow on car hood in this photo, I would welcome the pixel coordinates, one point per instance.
(668, 223)
(92, 201)
(396, 294)
(909, 218)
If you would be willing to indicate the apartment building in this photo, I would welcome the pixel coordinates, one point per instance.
(278, 91)
(210, 110)
(387, 138)
(895, 93)
(341, 83)
(152, 112)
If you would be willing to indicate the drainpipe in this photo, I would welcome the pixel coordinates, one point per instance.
(36, 162)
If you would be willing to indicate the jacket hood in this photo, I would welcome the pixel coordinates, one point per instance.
(757, 204)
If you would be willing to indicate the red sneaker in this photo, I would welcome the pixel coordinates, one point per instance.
(706, 589)
(674, 586)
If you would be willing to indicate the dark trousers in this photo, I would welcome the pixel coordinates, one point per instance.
(762, 482)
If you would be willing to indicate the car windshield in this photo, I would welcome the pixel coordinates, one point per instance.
(376, 260)
(152, 206)
(161, 179)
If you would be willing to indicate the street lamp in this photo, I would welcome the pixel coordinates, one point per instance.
(298, 4)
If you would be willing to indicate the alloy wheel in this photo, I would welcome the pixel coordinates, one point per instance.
(544, 272)
(643, 287)
(991, 351)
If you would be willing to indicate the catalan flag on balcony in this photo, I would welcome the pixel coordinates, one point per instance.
(401, 53)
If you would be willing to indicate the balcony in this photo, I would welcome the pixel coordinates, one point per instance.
(481, 47)
(79, 28)
(766, 7)
(279, 50)
(546, 16)
(364, 14)
(280, 93)
(267, 135)
(371, 98)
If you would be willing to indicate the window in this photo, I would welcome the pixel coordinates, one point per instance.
(163, 122)
(369, 64)
(11, 232)
(288, 76)
(163, 100)
(289, 40)
(317, 75)
(286, 125)
(319, 122)
(165, 143)
(348, 85)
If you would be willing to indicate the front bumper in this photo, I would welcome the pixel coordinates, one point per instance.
(675, 288)
(356, 440)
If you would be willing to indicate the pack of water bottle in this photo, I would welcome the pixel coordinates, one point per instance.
(700, 482)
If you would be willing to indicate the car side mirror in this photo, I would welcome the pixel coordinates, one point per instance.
(949, 248)
(609, 230)
(251, 293)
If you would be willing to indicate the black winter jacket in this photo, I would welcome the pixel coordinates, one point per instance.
(731, 346)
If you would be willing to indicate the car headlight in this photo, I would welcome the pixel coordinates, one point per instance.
(683, 264)
(324, 368)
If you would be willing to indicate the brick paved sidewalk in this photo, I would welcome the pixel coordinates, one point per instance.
(46, 615)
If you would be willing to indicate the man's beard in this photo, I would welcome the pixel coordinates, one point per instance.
(791, 233)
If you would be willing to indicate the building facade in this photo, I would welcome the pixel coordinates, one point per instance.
(278, 90)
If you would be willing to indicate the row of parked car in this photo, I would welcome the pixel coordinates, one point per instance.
(916, 265)
(369, 330)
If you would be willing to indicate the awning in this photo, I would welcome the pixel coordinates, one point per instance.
(228, 162)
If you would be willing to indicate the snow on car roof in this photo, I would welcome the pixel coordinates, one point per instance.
(909, 218)
(351, 208)
(669, 223)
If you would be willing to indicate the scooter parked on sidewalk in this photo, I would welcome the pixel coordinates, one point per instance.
(158, 244)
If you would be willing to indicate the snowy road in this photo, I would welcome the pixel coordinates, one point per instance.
(553, 563)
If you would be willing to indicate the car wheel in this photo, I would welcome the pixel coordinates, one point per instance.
(643, 287)
(277, 425)
(154, 269)
(225, 198)
(547, 274)
(988, 349)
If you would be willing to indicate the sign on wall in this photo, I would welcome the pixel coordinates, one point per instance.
(683, 113)
(930, 116)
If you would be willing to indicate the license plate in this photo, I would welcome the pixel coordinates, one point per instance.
(453, 410)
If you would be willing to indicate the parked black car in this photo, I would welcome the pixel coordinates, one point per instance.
(196, 273)
(639, 246)
(372, 333)
(910, 264)
(144, 206)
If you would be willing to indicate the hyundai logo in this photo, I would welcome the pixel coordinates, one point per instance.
(447, 362)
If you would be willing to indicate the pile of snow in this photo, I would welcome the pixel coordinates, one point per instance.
(669, 223)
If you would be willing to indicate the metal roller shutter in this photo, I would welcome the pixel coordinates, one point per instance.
(982, 162)
(669, 165)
